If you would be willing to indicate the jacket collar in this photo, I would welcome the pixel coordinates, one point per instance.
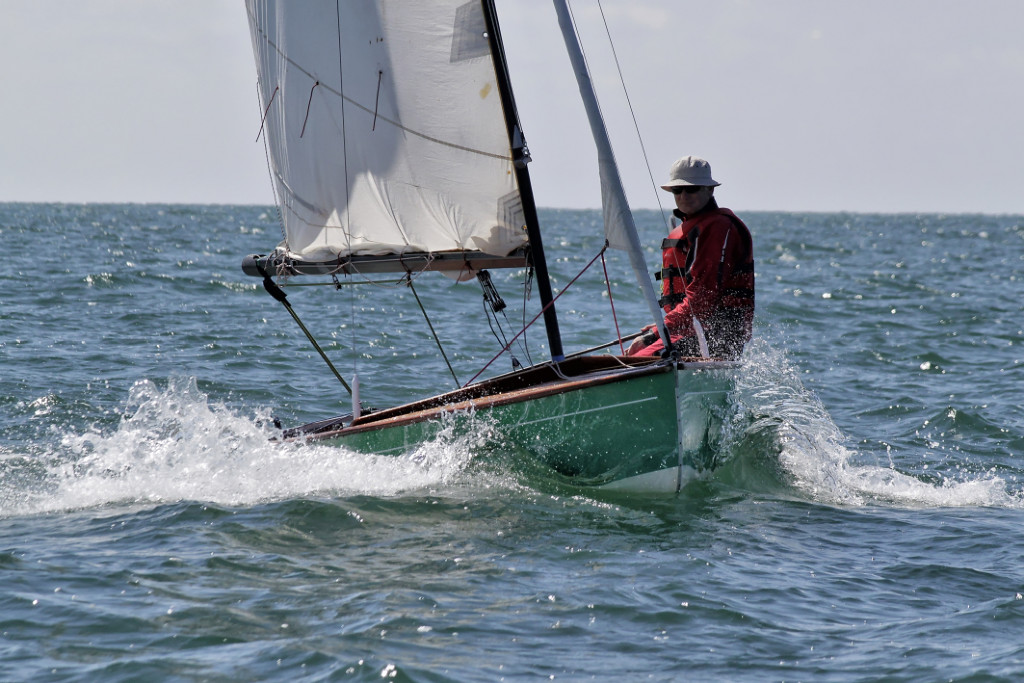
(710, 206)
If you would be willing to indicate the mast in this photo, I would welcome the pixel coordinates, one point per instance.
(520, 157)
(619, 226)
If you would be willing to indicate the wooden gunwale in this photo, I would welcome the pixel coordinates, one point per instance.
(531, 383)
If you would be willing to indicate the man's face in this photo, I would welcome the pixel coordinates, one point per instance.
(692, 198)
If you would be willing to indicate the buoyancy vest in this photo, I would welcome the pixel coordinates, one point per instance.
(708, 273)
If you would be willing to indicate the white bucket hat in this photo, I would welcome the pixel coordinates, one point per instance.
(690, 171)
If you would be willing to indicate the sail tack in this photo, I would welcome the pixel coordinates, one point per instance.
(384, 128)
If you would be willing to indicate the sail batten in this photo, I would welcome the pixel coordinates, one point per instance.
(384, 129)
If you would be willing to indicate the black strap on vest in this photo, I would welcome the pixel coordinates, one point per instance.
(675, 271)
(671, 271)
(672, 299)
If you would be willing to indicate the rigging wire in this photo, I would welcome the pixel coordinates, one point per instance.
(625, 91)
(539, 314)
(611, 301)
(527, 292)
(432, 331)
(632, 112)
(408, 280)
(499, 334)
(637, 262)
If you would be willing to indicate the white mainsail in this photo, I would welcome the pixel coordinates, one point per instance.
(385, 128)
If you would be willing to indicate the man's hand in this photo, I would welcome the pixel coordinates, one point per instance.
(639, 343)
(635, 346)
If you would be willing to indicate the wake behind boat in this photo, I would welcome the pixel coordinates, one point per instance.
(396, 148)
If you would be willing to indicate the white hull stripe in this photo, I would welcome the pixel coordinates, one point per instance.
(589, 410)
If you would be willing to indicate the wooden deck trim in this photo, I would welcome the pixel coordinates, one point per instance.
(512, 388)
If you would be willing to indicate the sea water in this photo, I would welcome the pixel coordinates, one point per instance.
(864, 524)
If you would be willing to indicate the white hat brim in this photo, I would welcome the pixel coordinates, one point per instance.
(685, 183)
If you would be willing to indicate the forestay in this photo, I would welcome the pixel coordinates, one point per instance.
(385, 128)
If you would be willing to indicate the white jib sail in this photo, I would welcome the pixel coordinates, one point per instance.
(620, 231)
(385, 127)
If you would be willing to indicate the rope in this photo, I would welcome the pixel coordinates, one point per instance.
(431, 326)
(608, 283)
(539, 314)
(494, 304)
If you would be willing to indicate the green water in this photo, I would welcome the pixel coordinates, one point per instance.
(864, 524)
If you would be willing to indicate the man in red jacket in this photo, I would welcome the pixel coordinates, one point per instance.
(707, 278)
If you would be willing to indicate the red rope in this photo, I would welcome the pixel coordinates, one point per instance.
(527, 326)
(611, 301)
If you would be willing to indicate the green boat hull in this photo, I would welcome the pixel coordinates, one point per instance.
(645, 428)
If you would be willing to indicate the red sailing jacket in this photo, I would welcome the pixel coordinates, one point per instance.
(708, 272)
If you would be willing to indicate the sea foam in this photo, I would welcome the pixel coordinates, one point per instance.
(173, 444)
(815, 458)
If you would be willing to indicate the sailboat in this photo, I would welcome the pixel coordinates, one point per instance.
(395, 147)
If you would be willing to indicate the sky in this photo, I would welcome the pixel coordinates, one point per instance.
(799, 105)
